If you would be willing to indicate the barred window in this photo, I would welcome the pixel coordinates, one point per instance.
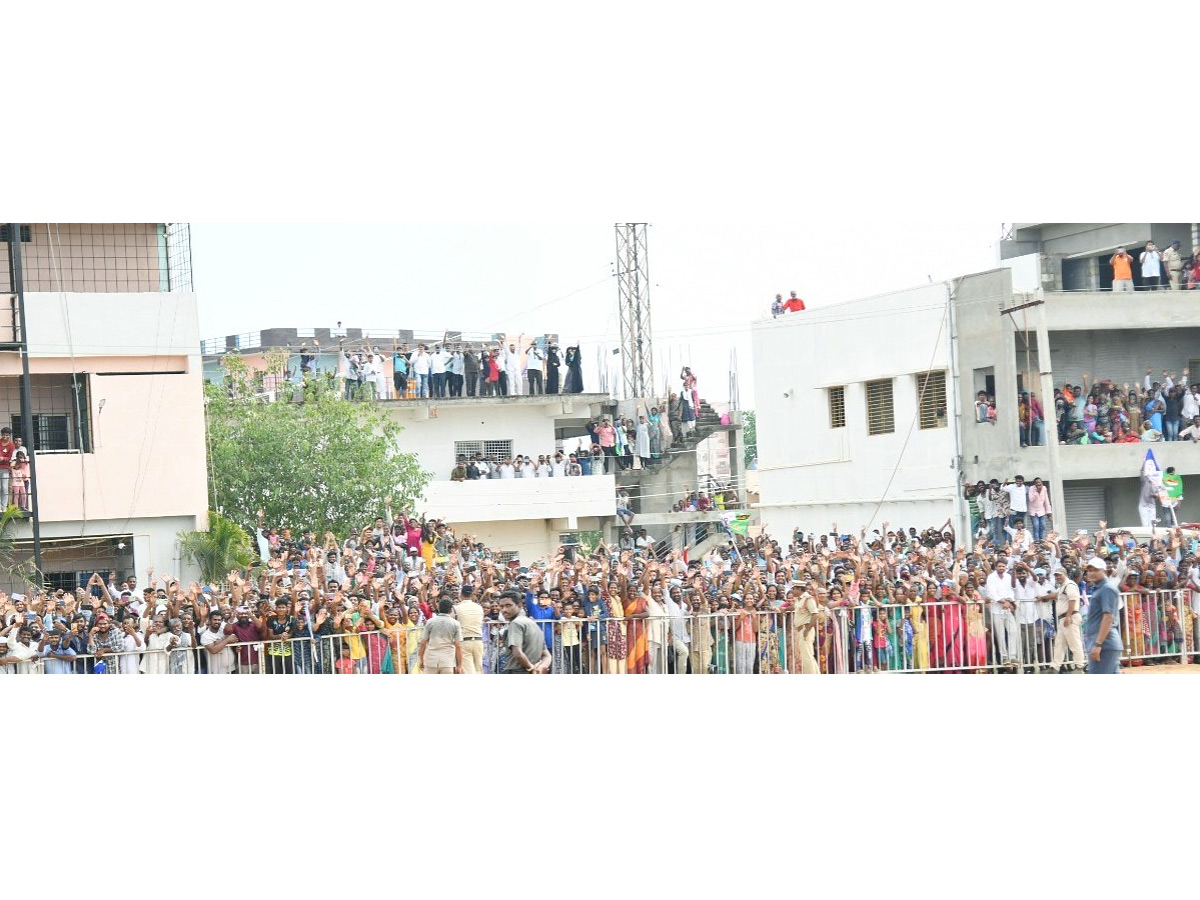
(837, 407)
(60, 412)
(491, 450)
(504, 557)
(881, 415)
(931, 398)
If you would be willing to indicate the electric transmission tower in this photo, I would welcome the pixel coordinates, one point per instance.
(633, 285)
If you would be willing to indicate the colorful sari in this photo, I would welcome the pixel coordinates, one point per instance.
(638, 661)
(920, 638)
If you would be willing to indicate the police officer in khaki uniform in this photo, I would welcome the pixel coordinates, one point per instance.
(470, 617)
(804, 620)
(441, 643)
(1173, 263)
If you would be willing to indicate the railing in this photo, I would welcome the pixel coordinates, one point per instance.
(946, 636)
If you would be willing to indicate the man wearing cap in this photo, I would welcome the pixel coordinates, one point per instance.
(1173, 263)
(1067, 619)
(1100, 635)
(470, 617)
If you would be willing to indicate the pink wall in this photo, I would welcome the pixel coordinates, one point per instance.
(148, 445)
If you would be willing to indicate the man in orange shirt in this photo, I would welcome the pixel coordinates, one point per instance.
(1122, 264)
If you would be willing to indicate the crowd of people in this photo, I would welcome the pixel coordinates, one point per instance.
(453, 370)
(408, 595)
(1168, 269)
(1107, 412)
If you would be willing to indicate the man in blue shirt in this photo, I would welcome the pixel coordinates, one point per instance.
(1100, 634)
(56, 652)
(540, 610)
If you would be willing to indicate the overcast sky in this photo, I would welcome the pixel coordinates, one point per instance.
(709, 281)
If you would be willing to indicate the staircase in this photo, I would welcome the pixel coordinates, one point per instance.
(707, 422)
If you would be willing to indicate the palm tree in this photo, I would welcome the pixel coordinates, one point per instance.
(225, 546)
(11, 569)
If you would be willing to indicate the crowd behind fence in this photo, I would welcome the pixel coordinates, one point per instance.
(947, 636)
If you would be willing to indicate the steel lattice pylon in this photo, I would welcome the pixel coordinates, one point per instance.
(633, 286)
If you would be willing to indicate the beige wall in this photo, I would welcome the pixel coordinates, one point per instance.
(89, 258)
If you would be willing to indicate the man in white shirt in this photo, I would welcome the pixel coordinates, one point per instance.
(419, 365)
(1002, 605)
(454, 373)
(657, 630)
(1027, 592)
(1020, 538)
(437, 372)
(1190, 404)
(510, 361)
(558, 466)
(1151, 261)
(506, 469)
(1018, 503)
(533, 368)
(527, 469)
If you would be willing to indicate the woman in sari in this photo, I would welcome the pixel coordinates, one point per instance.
(675, 419)
(837, 636)
(769, 660)
(393, 631)
(636, 610)
(412, 642)
(660, 416)
(952, 636)
(616, 646)
(920, 632)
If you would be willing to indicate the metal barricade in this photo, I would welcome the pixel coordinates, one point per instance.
(1152, 627)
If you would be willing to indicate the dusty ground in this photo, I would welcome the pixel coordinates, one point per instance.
(1176, 669)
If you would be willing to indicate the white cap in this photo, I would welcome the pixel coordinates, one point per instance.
(1097, 563)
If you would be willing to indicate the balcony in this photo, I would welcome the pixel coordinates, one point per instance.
(1112, 461)
(1103, 310)
(513, 499)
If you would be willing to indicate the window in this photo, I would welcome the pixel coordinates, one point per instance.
(504, 557)
(837, 407)
(60, 412)
(62, 581)
(492, 450)
(931, 399)
(881, 416)
(26, 234)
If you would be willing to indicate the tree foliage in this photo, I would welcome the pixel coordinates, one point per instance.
(225, 546)
(749, 436)
(312, 460)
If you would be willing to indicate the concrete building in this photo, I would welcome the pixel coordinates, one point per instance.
(528, 518)
(116, 390)
(837, 392)
(836, 432)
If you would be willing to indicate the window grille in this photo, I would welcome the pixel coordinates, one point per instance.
(881, 415)
(837, 407)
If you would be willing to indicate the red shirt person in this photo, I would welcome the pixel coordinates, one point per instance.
(793, 304)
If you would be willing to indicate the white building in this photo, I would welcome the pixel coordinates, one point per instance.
(836, 392)
(841, 432)
(522, 516)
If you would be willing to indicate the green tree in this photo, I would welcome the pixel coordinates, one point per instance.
(225, 546)
(312, 460)
(749, 436)
(15, 567)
